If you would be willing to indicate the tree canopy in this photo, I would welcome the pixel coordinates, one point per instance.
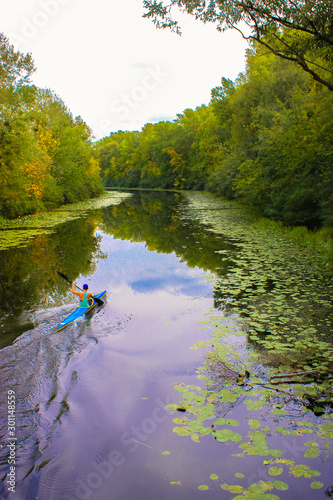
(300, 31)
(46, 156)
(265, 139)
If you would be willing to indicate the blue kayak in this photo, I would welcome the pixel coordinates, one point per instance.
(79, 311)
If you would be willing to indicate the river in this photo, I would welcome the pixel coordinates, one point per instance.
(167, 390)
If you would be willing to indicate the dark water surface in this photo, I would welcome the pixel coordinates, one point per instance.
(90, 400)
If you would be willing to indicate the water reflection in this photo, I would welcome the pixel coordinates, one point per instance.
(72, 406)
(28, 278)
(160, 220)
(28, 275)
(91, 398)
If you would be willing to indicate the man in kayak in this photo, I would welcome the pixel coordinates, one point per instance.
(86, 299)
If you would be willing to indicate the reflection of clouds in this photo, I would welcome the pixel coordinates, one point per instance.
(174, 284)
(148, 285)
(113, 245)
(144, 271)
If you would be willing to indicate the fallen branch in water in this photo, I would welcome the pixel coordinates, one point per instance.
(267, 386)
(296, 374)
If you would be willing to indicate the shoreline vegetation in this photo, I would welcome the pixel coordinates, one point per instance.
(47, 157)
(264, 141)
(318, 243)
(19, 231)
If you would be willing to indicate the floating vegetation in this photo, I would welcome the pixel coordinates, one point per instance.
(271, 352)
(19, 232)
(281, 296)
(19, 237)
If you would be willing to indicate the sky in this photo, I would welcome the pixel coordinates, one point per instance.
(113, 67)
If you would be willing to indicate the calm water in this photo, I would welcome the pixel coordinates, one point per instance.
(90, 400)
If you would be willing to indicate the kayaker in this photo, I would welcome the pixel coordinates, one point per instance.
(86, 299)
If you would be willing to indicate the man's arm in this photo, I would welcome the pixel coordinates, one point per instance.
(74, 291)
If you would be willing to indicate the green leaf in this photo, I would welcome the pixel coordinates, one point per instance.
(255, 424)
(227, 421)
(280, 485)
(236, 488)
(182, 431)
(311, 453)
(312, 473)
(254, 404)
(225, 435)
(311, 443)
(214, 476)
(203, 487)
(316, 485)
(239, 474)
(228, 396)
(277, 411)
(276, 453)
(195, 438)
(275, 471)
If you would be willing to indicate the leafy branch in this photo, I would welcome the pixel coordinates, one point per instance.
(309, 23)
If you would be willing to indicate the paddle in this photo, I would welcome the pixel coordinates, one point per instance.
(99, 301)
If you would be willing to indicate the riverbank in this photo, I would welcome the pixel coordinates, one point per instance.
(318, 242)
(18, 232)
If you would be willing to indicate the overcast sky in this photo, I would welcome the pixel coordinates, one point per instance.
(114, 68)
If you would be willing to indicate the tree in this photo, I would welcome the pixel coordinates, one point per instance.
(16, 100)
(46, 156)
(15, 68)
(276, 125)
(291, 29)
(15, 93)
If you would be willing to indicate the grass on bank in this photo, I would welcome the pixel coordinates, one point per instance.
(318, 242)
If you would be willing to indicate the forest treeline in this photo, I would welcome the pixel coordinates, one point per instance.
(47, 157)
(265, 139)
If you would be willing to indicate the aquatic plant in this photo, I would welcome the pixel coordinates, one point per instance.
(19, 232)
(271, 351)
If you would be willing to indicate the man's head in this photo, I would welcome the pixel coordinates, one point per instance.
(85, 287)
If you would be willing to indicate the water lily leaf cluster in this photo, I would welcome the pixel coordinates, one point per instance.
(266, 375)
(280, 294)
(19, 232)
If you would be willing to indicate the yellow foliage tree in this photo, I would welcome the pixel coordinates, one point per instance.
(178, 164)
(92, 169)
(36, 171)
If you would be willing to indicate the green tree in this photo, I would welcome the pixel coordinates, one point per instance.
(300, 31)
(279, 147)
(17, 98)
(199, 145)
(119, 156)
(46, 156)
